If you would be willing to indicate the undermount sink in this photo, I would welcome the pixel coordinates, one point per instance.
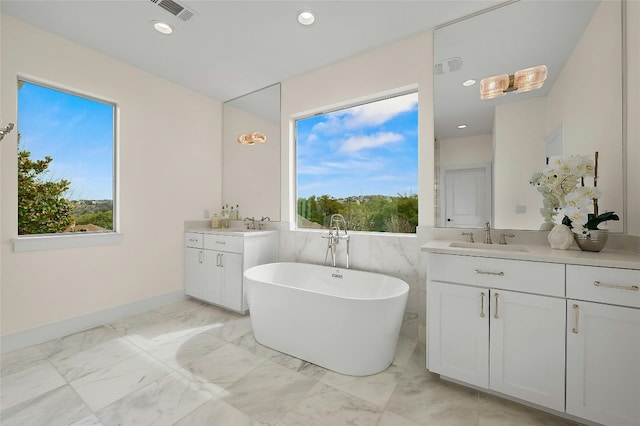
(494, 247)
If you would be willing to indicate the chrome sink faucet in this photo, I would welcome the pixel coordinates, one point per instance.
(487, 234)
(250, 222)
(262, 221)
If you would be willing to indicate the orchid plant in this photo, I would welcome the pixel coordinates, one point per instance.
(561, 184)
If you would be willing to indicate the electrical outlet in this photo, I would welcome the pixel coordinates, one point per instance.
(206, 214)
(521, 209)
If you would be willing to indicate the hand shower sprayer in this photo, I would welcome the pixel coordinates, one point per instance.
(333, 239)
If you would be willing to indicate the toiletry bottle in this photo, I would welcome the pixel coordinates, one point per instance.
(215, 221)
(232, 214)
(223, 217)
(238, 212)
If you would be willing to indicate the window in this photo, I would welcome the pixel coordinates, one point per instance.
(361, 162)
(65, 162)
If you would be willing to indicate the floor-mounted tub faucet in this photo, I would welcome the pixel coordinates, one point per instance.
(333, 239)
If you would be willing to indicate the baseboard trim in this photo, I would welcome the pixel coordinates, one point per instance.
(43, 333)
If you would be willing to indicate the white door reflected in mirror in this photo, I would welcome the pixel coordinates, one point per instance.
(466, 200)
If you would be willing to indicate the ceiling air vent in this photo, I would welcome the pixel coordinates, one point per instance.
(176, 9)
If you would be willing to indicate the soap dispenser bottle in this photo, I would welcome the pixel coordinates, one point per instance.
(215, 221)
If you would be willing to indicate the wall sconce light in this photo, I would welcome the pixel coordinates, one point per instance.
(6, 131)
(521, 81)
(252, 138)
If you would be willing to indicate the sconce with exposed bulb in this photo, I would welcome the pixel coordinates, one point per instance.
(521, 81)
(252, 138)
(6, 130)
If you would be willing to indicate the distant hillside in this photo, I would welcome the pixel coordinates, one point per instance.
(92, 215)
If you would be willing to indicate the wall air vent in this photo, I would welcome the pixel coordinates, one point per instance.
(178, 10)
(448, 65)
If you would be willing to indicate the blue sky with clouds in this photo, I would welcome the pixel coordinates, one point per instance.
(370, 149)
(76, 132)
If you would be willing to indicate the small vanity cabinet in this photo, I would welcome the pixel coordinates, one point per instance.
(215, 263)
(603, 344)
(502, 321)
(498, 324)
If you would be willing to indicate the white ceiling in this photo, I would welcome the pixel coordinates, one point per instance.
(230, 48)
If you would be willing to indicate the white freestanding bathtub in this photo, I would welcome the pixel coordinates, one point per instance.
(344, 320)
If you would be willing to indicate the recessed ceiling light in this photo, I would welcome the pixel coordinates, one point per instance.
(306, 17)
(162, 27)
(462, 126)
(468, 83)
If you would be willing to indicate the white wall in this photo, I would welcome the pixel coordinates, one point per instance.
(519, 151)
(585, 99)
(466, 150)
(169, 171)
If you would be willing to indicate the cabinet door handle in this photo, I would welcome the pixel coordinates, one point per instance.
(576, 310)
(218, 259)
(478, 271)
(619, 287)
(221, 265)
(496, 313)
(482, 304)
(200, 259)
(221, 242)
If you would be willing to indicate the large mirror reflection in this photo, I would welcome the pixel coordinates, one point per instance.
(483, 170)
(251, 153)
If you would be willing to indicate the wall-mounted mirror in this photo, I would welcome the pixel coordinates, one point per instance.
(251, 172)
(483, 170)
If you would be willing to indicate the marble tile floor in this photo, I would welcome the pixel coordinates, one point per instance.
(192, 364)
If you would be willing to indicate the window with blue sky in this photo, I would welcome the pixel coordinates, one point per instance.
(361, 162)
(76, 135)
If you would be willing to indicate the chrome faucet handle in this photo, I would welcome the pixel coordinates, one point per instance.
(470, 234)
(503, 238)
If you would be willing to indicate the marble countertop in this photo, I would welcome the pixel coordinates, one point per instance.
(540, 253)
(243, 232)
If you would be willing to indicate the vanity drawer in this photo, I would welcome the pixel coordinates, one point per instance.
(507, 274)
(604, 285)
(223, 243)
(193, 240)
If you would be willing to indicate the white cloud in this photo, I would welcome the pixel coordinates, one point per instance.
(332, 124)
(377, 113)
(357, 143)
(367, 115)
(321, 169)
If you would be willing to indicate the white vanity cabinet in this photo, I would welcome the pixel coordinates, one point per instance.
(498, 324)
(194, 265)
(215, 263)
(603, 344)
